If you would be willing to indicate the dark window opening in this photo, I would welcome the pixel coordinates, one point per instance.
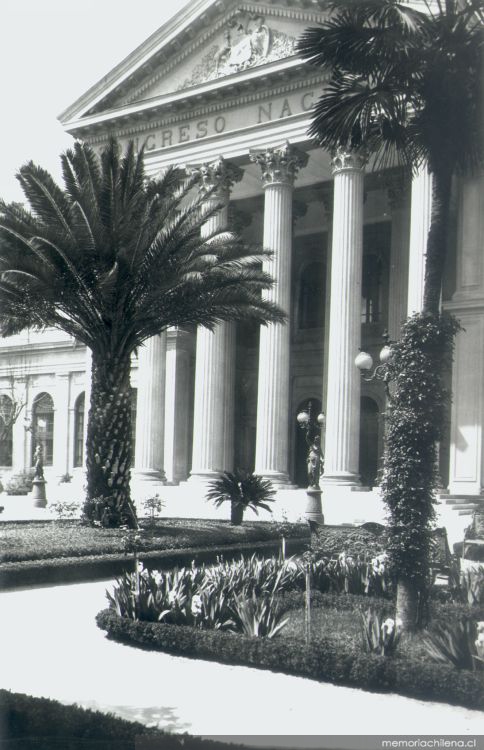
(43, 428)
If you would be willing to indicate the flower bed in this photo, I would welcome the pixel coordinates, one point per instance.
(205, 611)
(327, 659)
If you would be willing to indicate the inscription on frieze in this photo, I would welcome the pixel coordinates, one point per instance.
(247, 41)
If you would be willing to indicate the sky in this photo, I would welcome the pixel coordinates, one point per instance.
(51, 52)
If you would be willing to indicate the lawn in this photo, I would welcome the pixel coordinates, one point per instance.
(20, 541)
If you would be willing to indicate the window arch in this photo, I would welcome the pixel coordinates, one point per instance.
(43, 427)
(312, 285)
(6, 430)
(79, 408)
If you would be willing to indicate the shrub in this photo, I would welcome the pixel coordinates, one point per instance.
(356, 543)
(153, 505)
(44, 724)
(20, 484)
(64, 509)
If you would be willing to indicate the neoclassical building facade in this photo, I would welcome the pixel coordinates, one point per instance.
(219, 89)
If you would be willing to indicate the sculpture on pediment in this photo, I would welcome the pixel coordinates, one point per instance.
(246, 39)
(247, 42)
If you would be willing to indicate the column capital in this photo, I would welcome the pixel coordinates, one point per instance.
(280, 164)
(217, 177)
(347, 159)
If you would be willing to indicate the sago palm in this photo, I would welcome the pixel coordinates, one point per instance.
(405, 85)
(243, 490)
(113, 259)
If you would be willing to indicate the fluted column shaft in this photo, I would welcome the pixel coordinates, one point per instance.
(213, 418)
(150, 409)
(343, 391)
(61, 424)
(279, 169)
(421, 207)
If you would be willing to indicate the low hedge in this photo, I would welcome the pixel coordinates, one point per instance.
(44, 724)
(325, 659)
(91, 567)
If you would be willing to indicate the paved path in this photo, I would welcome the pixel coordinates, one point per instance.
(50, 646)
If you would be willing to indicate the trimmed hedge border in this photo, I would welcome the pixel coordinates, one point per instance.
(324, 660)
(45, 724)
(95, 567)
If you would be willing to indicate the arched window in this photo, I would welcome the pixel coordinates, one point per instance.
(6, 430)
(134, 399)
(43, 427)
(311, 296)
(79, 430)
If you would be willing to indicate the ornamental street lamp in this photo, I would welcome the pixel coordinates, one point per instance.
(313, 428)
(364, 363)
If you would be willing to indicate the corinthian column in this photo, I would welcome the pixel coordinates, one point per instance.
(343, 392)
(421, 207)
(279, 168)
(150, 408)
(213, 418)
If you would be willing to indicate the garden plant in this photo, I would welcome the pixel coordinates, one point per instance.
(243, 490)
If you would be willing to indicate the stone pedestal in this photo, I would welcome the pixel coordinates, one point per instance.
(314, 508)
(279, 168)
(343, 389)
(38, 493)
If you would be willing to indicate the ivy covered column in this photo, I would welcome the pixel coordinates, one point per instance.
(279, 168)
(213, 420)
(343, 390)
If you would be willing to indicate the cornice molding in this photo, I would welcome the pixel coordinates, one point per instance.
(136, 127)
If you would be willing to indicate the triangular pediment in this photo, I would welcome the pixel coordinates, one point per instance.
(220, 42)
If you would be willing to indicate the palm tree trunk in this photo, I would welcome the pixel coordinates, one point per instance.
(109, 451)
(407, 604)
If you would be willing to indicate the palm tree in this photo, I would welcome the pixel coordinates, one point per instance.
(243, 490)
(405, 85)
(113, 259)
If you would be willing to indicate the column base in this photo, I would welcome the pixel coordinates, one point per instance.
(202, 477)
(341, 480)
(280, 480)
(151, 475)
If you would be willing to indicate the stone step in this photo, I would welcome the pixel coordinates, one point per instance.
(464, 512)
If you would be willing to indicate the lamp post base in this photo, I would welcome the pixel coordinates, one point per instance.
(38, 493)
